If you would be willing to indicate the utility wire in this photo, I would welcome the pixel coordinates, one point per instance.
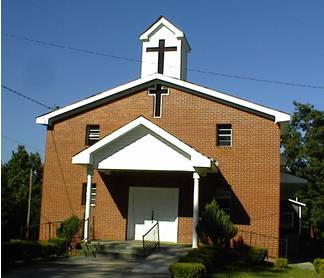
(19, 142)
(71, 48)
(26, 97)
(227, 75)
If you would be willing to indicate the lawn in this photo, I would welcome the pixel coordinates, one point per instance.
(263, 271)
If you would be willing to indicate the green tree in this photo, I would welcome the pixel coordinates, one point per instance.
(304, 149)
(215, 226)
(14, 191)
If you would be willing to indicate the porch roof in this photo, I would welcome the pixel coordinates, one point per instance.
(142, 145)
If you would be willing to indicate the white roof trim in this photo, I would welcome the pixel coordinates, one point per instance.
(197, 159)
(157, 24)
(297, 203)
(278, 115)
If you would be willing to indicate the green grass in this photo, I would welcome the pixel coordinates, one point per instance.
(262, 271)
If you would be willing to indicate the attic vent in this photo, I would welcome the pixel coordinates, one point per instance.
(92, 134)
(224, 135)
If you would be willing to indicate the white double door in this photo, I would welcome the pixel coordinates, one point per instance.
(146, 206)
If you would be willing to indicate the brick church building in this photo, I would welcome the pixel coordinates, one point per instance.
(158, 149)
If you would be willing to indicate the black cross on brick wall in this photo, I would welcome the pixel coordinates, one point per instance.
(157, 94)
(161, 49)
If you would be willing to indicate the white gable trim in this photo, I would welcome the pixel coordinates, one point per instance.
(196, 159)
(277, 115)
(161, 21)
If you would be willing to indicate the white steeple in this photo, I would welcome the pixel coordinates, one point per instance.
(164, 50)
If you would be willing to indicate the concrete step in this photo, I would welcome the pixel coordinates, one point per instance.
(133, 250)
(129, 250)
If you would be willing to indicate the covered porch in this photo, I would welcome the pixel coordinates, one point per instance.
(139, 149)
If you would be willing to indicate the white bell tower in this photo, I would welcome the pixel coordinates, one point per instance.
(164, 50)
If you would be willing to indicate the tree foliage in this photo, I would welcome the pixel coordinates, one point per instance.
(69, 228)
(304, 149)
(215, 226)
(15, 175)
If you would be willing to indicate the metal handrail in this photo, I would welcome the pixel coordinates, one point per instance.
(155, 226)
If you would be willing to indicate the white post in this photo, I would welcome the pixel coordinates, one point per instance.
(88, 205)
(299, 218)
(195, 215)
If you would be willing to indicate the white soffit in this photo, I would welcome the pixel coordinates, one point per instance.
(137, 145)
(155, 78)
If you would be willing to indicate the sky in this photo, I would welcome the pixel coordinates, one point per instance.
(273, 40)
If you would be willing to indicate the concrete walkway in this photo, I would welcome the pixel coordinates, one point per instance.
(155, 265)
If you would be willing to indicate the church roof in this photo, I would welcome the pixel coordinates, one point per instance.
(142, 83)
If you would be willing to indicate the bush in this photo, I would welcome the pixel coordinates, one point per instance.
(256, 255)
(187, 270)
(281, 263)
(26, 251)
(215, 226)
(319, 266)
(206, 256)
(239, 245)
(61, 245)
(69, 228)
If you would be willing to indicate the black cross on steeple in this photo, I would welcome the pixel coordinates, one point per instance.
(161, 49)
(157, 93)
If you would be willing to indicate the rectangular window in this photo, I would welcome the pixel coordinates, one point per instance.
(92, 134)
(93, 194)
(224, 135)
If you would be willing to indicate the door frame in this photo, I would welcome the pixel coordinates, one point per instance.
(130, 213)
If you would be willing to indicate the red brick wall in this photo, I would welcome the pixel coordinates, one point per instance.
(250, 166)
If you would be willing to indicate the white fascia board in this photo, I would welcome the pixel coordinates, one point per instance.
(145, 36)
(278, 115)
(44, 119)
(197, 159)
(297, 203)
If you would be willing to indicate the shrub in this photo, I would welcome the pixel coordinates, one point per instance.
(281, 263)
(239, 244)
(209, 257)
(319, 266)
(26, 251)
(215, 226)
(256, 255)
(69, 228)
(187, 270)
(61, 245)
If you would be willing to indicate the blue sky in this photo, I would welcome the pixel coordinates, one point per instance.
(276, 40)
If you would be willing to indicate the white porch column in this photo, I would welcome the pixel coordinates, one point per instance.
(195, 215)
(299, 218)
(88, 205)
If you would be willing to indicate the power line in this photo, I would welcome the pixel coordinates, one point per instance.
(72, 48)
(259, 80)
(19, 142)
(26, 97)
(227, 75)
